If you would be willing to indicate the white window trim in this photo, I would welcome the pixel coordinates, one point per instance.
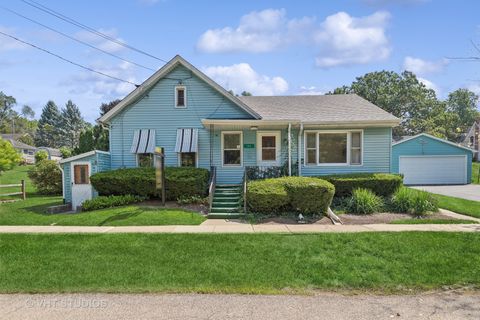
(137, 162)
(72, 172)
(184, 97)
(179, 162)
(349, 142)
(241, 149)
(278, 148)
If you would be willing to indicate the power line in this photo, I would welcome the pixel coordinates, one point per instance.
(66, 60)
(75, 39)
(60, 16)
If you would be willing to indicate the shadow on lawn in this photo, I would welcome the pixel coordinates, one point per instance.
(122, 216)
(41, 208)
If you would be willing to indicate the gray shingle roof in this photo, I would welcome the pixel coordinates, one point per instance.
(318, 108)
(15, 143)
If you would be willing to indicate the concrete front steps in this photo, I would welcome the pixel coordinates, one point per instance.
(227, 202)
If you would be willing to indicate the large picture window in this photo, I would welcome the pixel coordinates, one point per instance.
(232, 148)
(333, 147)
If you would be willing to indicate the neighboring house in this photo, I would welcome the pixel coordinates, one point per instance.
(428, 160)
(27, 151)
(472, 139)
(200, 124)
(53, 154)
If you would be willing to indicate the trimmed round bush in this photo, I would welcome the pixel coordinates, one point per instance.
(364, 201)
(308, 195)
(382, 184)
(180, 182)
(46, 177)
(267, 196)
(415, 202)
(302, 194)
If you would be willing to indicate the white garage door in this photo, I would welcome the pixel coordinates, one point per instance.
(434, 169)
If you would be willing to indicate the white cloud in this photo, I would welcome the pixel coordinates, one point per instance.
(474, 87)
(430, 85)
(242, 76)
(100, 86)
(422, 67)
(258, 31)
(101, 42)
(310, 90)
(344, 39)
(340, 39)
(9, 44)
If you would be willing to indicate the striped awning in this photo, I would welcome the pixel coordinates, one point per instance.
(143, 141)
(187, 140)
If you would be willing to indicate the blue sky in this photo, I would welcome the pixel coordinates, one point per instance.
(265, 47)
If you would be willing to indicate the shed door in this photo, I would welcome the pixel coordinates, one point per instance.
(81, 187)
(428, 170)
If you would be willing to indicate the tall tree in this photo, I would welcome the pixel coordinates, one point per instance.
(400, 94)
(9, 157)
(463, 102)
(6, 107)
(105, 107)
(94, 138)
(27, 112)
(71, 125)
(47, 134)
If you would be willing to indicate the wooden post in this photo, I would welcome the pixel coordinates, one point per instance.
(160, 172)
(24, 194)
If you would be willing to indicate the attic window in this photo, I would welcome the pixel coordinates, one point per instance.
(180, 97)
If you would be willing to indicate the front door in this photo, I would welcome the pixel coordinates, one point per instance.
(81, 187)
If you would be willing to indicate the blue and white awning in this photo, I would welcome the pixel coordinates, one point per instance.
(187, 140)
(143, 141)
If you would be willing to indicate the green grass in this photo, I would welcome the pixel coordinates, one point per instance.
(433, 221)
(238, 263)
(475, 172)
(32, 212)
(458, 205)
(15, 176)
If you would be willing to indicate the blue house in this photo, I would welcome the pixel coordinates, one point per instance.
(201, 124)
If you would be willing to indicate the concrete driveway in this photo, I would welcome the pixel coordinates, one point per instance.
(468, 191)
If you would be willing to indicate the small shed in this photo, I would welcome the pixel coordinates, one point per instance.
(427, 160)
(76, 172)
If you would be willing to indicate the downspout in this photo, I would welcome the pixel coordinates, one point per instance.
(289, 149)
(300, 131)
(63, 183)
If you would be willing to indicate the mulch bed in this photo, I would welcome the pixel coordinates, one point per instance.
(354, 219)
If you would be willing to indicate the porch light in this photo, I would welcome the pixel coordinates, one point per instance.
(253, 128)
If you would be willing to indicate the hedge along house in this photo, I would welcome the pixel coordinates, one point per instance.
(428, 160)
(201, 124)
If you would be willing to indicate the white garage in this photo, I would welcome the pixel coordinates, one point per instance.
(428, 160)
(427, 170)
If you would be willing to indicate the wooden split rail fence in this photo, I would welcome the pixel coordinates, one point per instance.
(22, 190)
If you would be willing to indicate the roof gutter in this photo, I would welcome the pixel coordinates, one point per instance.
(286, 122)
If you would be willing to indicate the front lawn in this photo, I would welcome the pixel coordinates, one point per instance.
(458, 205)
(32, 212)
(238, 263)
(433, 221)
(15, 176)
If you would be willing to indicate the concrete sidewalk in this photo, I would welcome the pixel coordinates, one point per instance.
(222, 226)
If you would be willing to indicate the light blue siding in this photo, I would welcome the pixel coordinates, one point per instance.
(99, 161)
(430, 146)
(376, 155)
(156, 110)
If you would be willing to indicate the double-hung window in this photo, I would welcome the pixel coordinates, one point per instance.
(268, 148)
(333, 147)
(232, 149)
(180, 97)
